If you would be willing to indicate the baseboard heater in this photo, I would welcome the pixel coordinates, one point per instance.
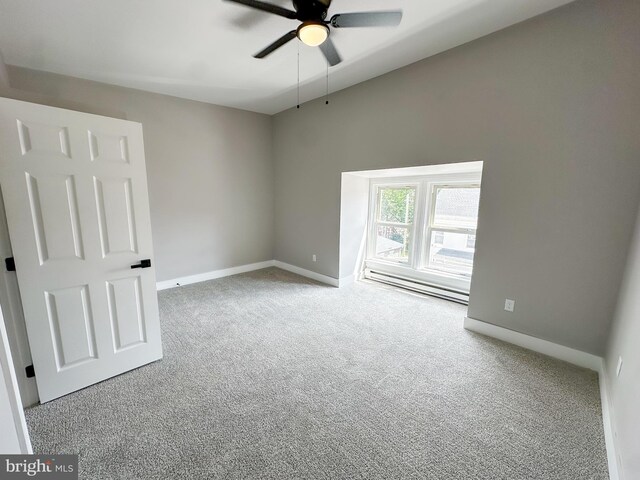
(417, 286)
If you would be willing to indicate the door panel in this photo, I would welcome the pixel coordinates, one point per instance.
(41, 139)
(71, 326)
(108, 148)
(115, 211)
(126, 311)
(75, 193)
(56, 222)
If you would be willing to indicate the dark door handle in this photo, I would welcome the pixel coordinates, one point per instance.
(143, 264)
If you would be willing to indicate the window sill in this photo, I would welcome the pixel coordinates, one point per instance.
(453, 282)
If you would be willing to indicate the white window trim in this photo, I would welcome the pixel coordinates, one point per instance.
(374, 223)
(431, 226)
(418, 254)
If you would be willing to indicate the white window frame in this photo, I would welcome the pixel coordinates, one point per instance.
(374, 223)
(416, 267)
(431, 226)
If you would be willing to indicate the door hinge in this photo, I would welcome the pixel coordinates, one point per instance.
(30, 371)
(10, 263)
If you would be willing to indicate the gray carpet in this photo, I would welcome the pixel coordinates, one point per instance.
(269, 375)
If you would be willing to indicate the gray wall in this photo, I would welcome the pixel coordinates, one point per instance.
(209, 168)
(624, 391)
(552, 106)
(4, 73)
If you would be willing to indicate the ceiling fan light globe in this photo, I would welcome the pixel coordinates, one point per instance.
(313, 33)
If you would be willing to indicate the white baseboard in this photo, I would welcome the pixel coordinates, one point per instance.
(607, 422)
(203, 277)
(576, 357)
(570, 355)
(334, 282)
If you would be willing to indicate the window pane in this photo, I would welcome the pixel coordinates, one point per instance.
(392, 243)
(397, 204)
(457, 207)
(451, 252)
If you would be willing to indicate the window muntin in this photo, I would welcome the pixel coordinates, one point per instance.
(394, 222)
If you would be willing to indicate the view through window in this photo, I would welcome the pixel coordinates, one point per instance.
(394, 222)
(452, 224)
(425, 228)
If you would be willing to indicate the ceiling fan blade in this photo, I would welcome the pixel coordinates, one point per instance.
(367, 19)
(330, 52)
(267, 7)
(287, 37)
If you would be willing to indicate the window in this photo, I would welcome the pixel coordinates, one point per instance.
(395, 210)
(424, 228)
(452, 223)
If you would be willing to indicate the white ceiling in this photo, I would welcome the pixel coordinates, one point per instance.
(202, 49)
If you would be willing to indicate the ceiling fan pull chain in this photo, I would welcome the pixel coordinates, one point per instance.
(327, 100)
(298, 106)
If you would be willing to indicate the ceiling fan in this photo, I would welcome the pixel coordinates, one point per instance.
(314, 29)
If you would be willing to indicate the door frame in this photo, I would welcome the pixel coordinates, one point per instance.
(22, 442)
(16, 328)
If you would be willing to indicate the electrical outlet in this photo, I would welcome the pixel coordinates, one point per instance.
(314, 257)
(509, 305)
(619, 367)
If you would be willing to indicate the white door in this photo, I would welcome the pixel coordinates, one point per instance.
(75, 193)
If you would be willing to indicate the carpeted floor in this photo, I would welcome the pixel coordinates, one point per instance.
(269, 375)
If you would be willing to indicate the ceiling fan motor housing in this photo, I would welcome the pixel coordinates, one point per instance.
(314, 29)
(311, 9)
